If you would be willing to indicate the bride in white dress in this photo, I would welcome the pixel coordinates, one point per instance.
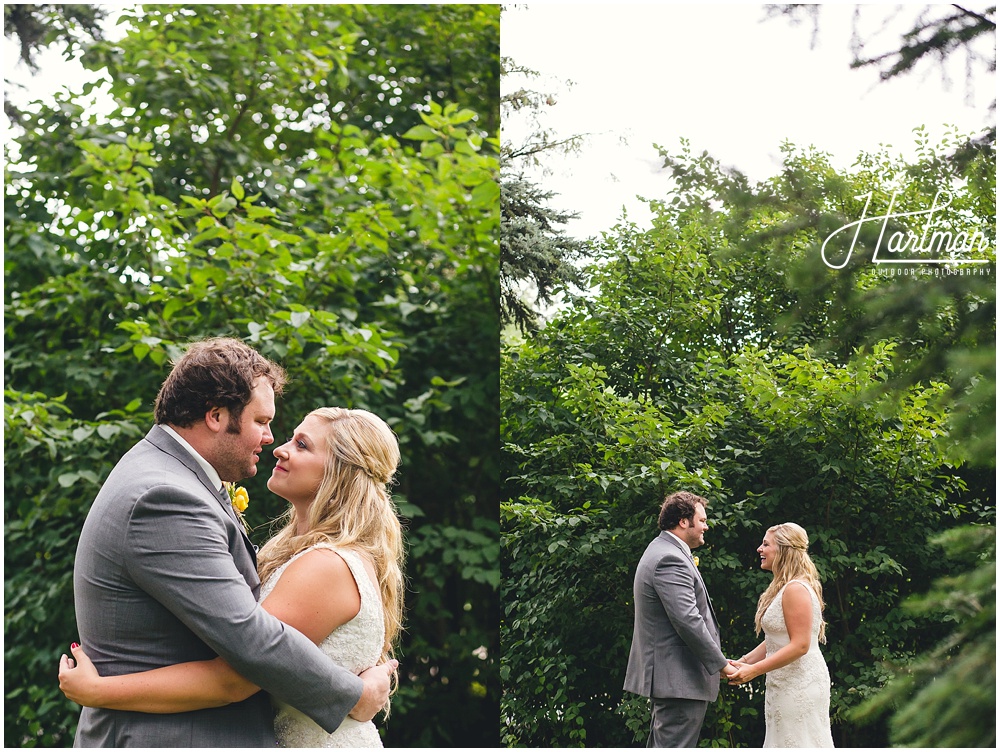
(334, 572)
(790, 612)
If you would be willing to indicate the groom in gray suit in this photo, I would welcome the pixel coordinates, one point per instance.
(165, 574)
(676, 658)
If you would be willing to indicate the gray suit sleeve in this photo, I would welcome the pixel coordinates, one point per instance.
(178, 552)
(676, 587)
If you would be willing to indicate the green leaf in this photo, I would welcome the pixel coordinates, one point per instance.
(462, 116)
(259, 212)
(421, 133)
(486, 195)
(108, 430)
(172, 306)
(68, 479)
(223, 207)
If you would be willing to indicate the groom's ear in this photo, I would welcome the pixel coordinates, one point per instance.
(214, 419)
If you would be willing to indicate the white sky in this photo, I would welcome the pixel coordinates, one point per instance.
(733, 84)
(55, 73)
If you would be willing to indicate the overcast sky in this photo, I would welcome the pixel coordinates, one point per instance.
(55, 73)
(732, 83)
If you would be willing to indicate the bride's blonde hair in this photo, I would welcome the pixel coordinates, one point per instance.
(353, 509)
(791, 562)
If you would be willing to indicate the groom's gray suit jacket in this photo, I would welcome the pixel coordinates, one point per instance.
(164, 574)
(675, 641)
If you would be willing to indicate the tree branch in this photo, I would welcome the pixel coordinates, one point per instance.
(980, 18)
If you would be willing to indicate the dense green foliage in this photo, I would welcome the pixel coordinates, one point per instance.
(321, 181)
(930, 712)
(717, 353)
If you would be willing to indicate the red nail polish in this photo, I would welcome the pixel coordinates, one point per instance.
(74, 645)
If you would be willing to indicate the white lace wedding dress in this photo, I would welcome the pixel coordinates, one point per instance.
(356, 645)
(797, 696)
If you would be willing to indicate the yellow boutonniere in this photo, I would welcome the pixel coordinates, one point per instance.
(240, 500)
(696, 559)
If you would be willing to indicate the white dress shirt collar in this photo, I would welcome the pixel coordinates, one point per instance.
(683, 542)
(213, 475)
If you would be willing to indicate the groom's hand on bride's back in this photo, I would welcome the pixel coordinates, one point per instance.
(375, 694)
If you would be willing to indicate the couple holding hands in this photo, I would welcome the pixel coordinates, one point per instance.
(676, 658)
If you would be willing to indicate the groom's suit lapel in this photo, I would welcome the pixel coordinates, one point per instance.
(227, 504)
(686, 554)
(164, 441)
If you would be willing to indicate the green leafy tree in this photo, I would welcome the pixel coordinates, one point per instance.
(962, 311)
(224, 195)
(698, 362)
(771, 245)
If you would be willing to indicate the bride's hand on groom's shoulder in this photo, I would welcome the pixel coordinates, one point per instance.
(78, 677)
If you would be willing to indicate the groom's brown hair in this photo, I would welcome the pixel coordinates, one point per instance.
(219, 372)
(678, 506)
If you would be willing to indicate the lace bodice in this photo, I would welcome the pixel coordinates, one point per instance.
(356, 645)
(797, 696)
